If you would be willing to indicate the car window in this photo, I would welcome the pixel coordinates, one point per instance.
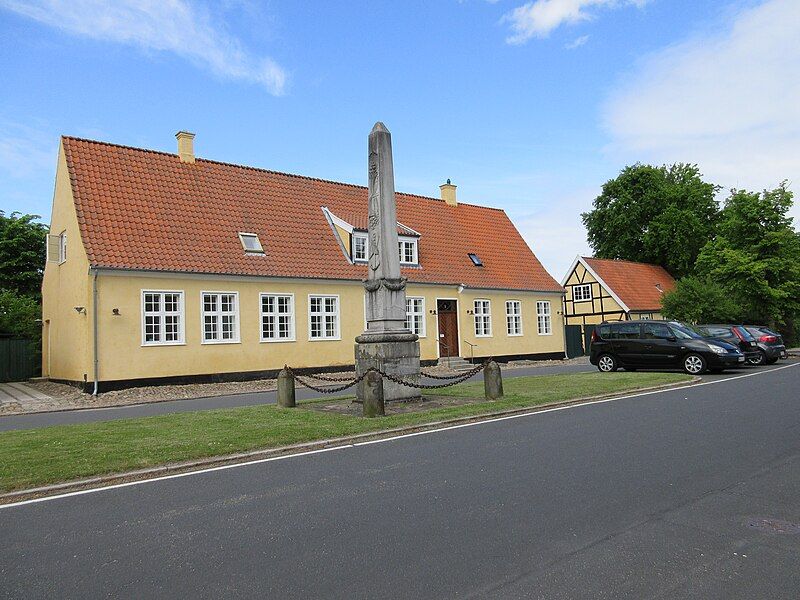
(719, 331)
(604, 332)
(684, 333)
(625, 331)
(746, 335)
(656, 331)
(754, 331)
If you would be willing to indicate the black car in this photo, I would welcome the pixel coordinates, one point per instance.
(732, 334)
(770, 345)
(659, 345)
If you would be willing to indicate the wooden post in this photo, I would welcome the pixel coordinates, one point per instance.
(286, 389)
(373, 395)
(492, 381)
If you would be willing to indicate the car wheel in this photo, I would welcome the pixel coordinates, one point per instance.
(607, 363)
(772, 361)
(694, 364)
(760, 360)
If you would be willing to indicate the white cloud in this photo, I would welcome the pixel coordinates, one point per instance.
(556, 233)
(175, 26)
(577, 42)
(25, 151)
(729, 102)
(539, 18)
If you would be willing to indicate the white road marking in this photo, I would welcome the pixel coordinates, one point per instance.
(388, 439)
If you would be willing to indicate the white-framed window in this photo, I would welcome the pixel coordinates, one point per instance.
(251, 243)
(360, 246)
(57, 247)
(581, 293)
(162, 317)
(220, 317)
(408, 250)
(277, 318)
(415, 315)
(323, 317)
(483, 318)
(543, 318)
(513, 317)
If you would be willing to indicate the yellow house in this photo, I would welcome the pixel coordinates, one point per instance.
(171, 268)
(598, 290)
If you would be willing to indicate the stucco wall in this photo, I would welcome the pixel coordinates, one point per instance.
(66, 350)
(122, 355)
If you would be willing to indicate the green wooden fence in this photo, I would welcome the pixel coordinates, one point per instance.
(18, 360)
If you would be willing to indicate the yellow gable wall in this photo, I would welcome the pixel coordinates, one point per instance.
(344, 236)
(122, 355)
(66, 350)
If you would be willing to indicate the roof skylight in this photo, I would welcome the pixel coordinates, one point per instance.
(251, 243)
(475, 260)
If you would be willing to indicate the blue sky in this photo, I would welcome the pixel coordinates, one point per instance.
(528, 107)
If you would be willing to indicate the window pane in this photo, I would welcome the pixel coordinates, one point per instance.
(267, 326)
(316, 326)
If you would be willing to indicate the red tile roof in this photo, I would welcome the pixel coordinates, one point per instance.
(636, 284)
(359, 222)
(146, 210)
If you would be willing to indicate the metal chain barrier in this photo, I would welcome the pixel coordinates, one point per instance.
(325, 390)
(348, 383)
(472, 371)
(429, 386)
(327, 377)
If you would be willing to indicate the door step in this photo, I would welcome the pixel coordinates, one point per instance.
(456, 363)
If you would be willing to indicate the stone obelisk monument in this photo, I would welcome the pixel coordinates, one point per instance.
(386, 344)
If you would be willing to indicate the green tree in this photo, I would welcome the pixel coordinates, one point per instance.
(700, 300)
(19, 315)
(22, 253)
(661, 215)
(755, 255)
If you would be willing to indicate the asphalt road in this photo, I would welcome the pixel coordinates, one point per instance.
(662, 495)
(68, 417)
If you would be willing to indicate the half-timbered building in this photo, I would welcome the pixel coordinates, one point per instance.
(598, 290)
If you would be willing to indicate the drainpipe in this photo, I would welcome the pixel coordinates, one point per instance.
(94, 332)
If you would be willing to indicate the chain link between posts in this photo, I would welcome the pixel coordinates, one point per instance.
(348, 383)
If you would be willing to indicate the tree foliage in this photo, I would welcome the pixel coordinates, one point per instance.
(700, 300)
(22, 253)
(661, 215)
(755, 255)
(19, 315)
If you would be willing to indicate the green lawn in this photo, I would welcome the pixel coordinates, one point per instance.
(53, 454)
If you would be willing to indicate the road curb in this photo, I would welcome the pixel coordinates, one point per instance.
(242, 457)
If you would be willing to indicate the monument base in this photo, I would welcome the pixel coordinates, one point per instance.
(395, 354)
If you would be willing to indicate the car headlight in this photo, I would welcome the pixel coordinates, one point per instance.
(716, 349)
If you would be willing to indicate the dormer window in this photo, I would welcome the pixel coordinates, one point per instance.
(409, 253)
(251, 243)
(475, 259)
(359, 247)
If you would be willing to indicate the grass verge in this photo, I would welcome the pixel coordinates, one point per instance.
(54, 454)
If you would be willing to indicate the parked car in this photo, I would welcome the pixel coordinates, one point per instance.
(659, 345)
(732, 334)
(770, 345)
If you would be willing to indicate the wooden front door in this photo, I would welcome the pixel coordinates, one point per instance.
(448, 327)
